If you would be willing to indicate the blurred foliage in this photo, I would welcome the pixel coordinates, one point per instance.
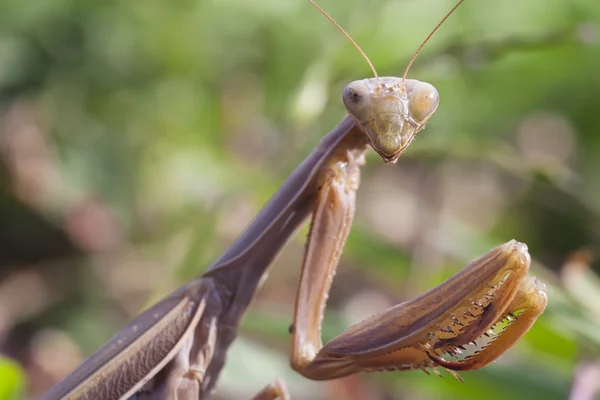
(139, 138)
(13, 380)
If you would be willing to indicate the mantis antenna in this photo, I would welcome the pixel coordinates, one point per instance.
(367, 58)
(427, 40)
(349, 38)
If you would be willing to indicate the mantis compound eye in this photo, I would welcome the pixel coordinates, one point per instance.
(356, 98)
(423, 100)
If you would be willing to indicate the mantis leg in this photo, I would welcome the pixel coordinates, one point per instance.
(182, 377)
(274, 390)
(418, 334)
(531, 301)
(330, 225)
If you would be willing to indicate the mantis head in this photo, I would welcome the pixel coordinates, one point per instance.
(391, 111)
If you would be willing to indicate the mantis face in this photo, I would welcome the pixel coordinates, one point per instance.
(390, 111)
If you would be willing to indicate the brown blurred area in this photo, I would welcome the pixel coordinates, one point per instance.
(49, 230)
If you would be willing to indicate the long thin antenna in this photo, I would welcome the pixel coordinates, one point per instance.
(349, 38)
(426, 40)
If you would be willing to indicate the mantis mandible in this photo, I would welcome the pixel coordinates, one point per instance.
(177, 348)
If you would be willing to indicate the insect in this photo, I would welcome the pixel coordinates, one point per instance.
(177, 348)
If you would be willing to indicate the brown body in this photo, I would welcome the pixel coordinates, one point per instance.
(177, 348)
(229, 284)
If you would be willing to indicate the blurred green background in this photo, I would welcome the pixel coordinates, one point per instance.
(137, 139)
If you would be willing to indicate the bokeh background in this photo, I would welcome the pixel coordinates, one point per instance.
(138, 138)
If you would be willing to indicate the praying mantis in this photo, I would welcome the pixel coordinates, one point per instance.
(177, 348)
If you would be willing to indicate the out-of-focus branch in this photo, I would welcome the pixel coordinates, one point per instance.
(586, 382)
